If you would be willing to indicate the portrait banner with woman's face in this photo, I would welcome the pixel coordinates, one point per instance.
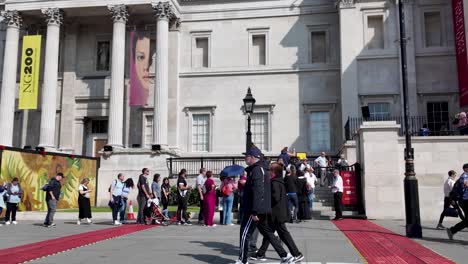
(140, 62)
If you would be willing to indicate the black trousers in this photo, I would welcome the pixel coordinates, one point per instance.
(447, 203)
(338, 204)
(11, 211)
(464, 223)
(182, 208)
(248, 227)
(284, 235)
(200, 213)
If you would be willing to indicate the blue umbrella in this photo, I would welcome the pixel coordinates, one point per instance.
(232, 171)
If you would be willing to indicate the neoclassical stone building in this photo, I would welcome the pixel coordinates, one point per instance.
(311, 64)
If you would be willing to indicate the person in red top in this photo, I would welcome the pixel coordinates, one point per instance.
(240, 187)
(228, 186)
(209, 199)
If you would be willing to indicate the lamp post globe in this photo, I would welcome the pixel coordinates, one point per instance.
(249, 104)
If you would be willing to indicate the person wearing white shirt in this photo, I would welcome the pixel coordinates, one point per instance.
(337, 190)
(311, 180)
(201, 178)
(448, 186)
(322, 162)
(304, 165)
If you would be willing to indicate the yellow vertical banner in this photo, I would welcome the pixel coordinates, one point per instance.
(29, 82)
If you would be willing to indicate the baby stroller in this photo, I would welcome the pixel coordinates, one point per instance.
(153, 213)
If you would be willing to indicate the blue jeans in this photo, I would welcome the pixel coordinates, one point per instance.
(311, 198)
(123, 207)
(293, 205)
(227, 208)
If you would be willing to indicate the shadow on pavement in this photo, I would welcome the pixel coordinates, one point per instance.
(445, 240)
(223, 248)
(208, 258)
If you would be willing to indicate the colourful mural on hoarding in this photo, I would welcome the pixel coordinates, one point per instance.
(34, 170)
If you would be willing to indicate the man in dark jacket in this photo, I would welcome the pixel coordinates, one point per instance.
(279, 206)
(257, 207)
(52, 197)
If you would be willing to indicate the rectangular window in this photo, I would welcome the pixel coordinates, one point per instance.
(437, 116)
(260, 131)
(319, 47)
(319, 131)
(103, 56)
(201, 53)
(148, 131)
(200, 132)
(259, 49)
(379, 111)
(375, 32)
(433, 29)
(99, 126)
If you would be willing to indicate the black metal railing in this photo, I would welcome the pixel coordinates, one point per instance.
(415, 124)
(217, 164)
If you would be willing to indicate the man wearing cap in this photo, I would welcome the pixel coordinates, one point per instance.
(52, 196)
(461, 191)
(256, 202)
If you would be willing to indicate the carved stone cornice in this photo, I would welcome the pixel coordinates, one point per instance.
(119, 13)
(164, 10)
(53, 16)
(11, 18)
(345, 3)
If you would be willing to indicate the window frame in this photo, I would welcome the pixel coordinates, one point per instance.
(435, 101)
(381, 117)
(145, 114)
(443, 32)
(200, 110)
(319, 28)
(370, 13)
(198, 35)
(329, 107)
(255, 32)
(263, 109)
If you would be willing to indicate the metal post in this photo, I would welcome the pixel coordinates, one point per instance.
(249, 135)
(413, 220)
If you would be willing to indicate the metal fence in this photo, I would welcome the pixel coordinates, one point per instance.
(216, 164)
(415, 124)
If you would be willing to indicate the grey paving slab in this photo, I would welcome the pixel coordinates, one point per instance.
(436, 239)
(320, 242)
(31, 231)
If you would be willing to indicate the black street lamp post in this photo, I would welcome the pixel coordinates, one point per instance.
(413, 220)
(249, 103)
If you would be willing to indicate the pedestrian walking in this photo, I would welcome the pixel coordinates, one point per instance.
(337, 190)
(200, 183)
(311, 181)
(240, 188)
(460, 193)
(53, 190)
(280, 215)
(257, 207)
(291, 188)
(14, 194)
(303, 212)
(116, 190)
(84, 202)
(128, 185)
(165, 195)
(209, 199)
(228, 186)
(448, 186)
(182, 189)
(143, 194)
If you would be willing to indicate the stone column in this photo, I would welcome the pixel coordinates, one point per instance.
(164, 13)
(54, 19)
(116, 102)
(13, 21)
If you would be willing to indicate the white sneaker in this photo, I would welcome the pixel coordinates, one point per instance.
(1, 224)
(15, 223)
(7, 223)
(116, 223)
(288, 259)
(89, 221)
(231, 224)
(78, 222)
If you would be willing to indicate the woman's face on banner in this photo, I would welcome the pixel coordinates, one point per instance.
(142, 62)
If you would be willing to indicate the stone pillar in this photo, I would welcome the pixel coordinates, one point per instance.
(13, 21)
(116, 102)
(350, 31)
(54, 19)
(164, 13)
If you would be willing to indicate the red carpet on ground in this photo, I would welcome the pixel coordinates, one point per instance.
(44, 248)
(379, 245)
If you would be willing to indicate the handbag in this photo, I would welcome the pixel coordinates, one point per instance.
(87, 195)
(451, 212)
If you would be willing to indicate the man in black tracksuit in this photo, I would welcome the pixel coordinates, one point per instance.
(256, 203)
(279, 207)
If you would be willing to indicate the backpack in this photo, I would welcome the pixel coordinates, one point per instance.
(226, 190)
(457, 190)
(45, 187)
